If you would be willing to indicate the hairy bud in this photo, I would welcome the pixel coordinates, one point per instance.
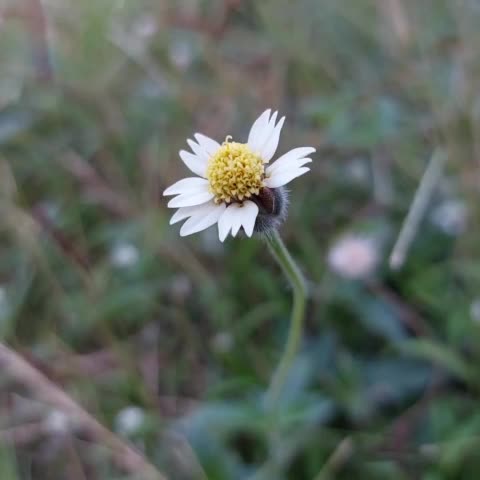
(273, 206)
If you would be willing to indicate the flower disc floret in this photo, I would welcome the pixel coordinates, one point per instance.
(235, 173)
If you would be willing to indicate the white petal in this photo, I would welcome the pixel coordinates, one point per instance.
(270, 127)
(185, 212)
(290, 158)
(209, 145)
(291, 165)
(224, 224)
(248, 210)
(190, 199)
(235, 216)
(198, 150)
(198, 223)
(249, 216)
(282, 177)
(254, 137)
(236, 224)
(270, 147)
(179, 215)
(187, 185)
(267, 132)
(194, 163)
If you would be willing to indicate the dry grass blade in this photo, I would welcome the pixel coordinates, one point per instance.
(126, 456)
(417, 209)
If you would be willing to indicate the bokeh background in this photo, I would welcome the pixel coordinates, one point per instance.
(170, 342)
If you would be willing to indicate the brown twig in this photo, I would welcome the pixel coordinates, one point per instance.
(32, 14)
(95, 187)
(22, 434)
(126, 456)
(66, 244)
(337, 460)
(397, 20)
(37, 25)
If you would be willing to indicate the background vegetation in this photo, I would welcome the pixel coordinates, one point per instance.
(169, 342)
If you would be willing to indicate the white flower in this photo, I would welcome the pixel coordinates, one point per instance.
(181, 54)
(129, 420)
(353, 256)
(145, 26)
(57, 421)
(124, 255)
(231, 178)
(357, 170)
(451, 217)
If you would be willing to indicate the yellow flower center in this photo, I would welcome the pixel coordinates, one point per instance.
(234, 172)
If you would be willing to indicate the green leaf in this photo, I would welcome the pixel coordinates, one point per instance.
(440, 355)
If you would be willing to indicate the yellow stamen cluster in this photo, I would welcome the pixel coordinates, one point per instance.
(235, 172)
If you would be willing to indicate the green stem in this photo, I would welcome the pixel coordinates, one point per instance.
(295, 277)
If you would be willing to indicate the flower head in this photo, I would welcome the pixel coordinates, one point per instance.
(451, 216)
(58, 422)
(236, 187)
(129, 420)
(353, 256)
(124, 255)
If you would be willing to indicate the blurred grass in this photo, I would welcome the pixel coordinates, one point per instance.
(101, 295)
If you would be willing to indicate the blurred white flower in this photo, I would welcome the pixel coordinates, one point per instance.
(451, 217)
(145, 26)
(353, 256)
(357, 170)
(180, 53)
(124, 255)
(57, 421)
(129, 420)
(475, 310)
(222, 342)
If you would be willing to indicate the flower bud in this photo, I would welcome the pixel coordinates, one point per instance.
(273, 206)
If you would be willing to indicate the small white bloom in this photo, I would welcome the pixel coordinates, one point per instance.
(181, 54)
(57, 421)
(451, 217)
(129, 420)
(124, 255)
(358, 171)
(232, 178)
(353, 256)
(145, 26)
